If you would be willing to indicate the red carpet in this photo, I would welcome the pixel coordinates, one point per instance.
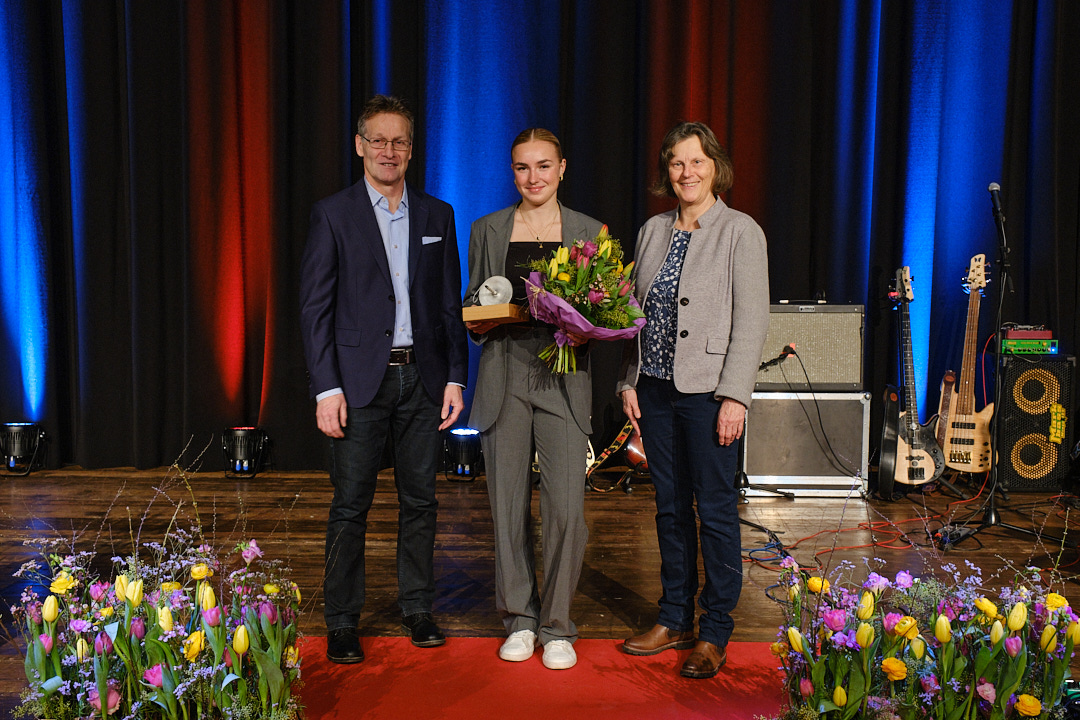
(466, 679)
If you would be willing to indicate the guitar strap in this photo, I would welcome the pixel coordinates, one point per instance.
(617, 443)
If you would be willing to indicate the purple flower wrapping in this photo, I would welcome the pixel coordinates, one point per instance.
(550, 308)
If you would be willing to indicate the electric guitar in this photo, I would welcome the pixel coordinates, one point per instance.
(919, 459)
(967, 433)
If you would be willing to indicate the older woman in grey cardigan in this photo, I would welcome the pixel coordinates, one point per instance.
(703, 282)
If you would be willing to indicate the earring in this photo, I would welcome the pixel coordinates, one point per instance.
(560, 178)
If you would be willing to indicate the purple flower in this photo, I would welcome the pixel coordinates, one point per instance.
(789, 563)
(986, 690)
(46, 642)
(904, 580)
(875, 583)
(268, 612)
(79, 625)
(834, 619)
(948, 608)
(888, 623)
(251, 552)
(34, 611)
(138, 628)
(103, 644)
(929, 684)
(1013, 645)
(212, 616)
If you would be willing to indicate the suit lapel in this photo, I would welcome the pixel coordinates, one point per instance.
(367, 233)
(502, 226)
(573, 227)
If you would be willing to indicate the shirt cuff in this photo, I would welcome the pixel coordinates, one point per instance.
(327, 393)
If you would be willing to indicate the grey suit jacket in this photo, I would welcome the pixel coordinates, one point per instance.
(488, 245)
(723, 301)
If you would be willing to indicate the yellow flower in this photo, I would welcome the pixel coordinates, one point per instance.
(1028, 706)
(121, 587)
(1018, 616)
(779, 648)
(165, 619)
(988, 608)
(996, 633)
(168, 588)
(565, 277)
(207, 599)
(839, 696)
(62, 583)
(1073, 632)
(134, 591)
(553, 268)
(296, 592)
(817, 585)
(193, 645)
(201, 571)
(605, 248)
(866, 606)
(1048, 641)
(1055, 602)
(562, 255)
(106, 611)
(51, 609)
(894, 668)
(795, 638)
(618, 267)
(793, 592)
(904, 626)
(240, 640)
(271, 589)
(82, 650)
(918, 648)
(943, 629)
(864, 635)
(292, 656)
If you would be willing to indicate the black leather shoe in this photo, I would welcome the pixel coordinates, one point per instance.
(424, 631)
(343, 646)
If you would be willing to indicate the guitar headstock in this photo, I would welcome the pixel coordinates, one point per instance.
(976, 276)
(902, 286)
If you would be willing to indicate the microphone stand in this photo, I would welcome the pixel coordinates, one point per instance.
(992, 518)
(741, 478)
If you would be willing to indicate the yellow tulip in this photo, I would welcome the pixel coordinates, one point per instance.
(240, 640)
(1055, 602)
(996, 633)
(565, 277)
(817, 585)
(62, 583)
(988, 608)
(296, 592)
(207, 599)
(82, 650)
(165, 618)
(866, 606)
(618, 267)
(562, 255)
(1048, 641)
(918, 648)
(553, 268)
(943, 629)
(106, 611)
(864, 635)
(793, 592)
(201, 571)
(795, 639)
(50, 609)
(894, 668)
(271, 589)
(292, 656)
(1073, 632)
(134, 591)
(1028, 706)
(839, 696)
(193, 645)
(605, 248)
(1018, 616)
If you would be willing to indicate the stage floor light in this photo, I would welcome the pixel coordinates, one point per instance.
(463, 453)
(244, 450)
(22, 446)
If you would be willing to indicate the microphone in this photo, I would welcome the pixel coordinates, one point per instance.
(995, 197)
(788, 350)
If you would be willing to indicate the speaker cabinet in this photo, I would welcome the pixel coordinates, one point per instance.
(1036, 430)
(811, 444)
(829, 341)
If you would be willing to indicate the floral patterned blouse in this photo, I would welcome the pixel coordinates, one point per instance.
(662, 312)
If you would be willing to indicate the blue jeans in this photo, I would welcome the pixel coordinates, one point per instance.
(687, 463)
(403, 410)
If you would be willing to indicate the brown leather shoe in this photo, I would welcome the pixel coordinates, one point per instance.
(705, 661)
(658, 639)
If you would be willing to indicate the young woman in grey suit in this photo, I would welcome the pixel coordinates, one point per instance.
(520, 407)
(703, 282)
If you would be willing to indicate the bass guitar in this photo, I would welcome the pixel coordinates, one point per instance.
(919, 459)
(966, 441)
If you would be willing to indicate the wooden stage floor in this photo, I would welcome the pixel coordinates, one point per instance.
(286, 513)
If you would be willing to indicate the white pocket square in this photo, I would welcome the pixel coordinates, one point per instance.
(428, 239)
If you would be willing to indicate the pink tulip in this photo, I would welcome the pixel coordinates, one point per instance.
(228, 660)
(102, 644)
(595, 296)
(112, 699)
(46, 642)
(574, 252)
(624, 288)
(1013, 645)
(153, 676)
(34, 611)
(268, 611)
(889, 621)
(99, 590)
(212, 616)
(138, 628)
(588, 249)
(834, 620)
(806, 688)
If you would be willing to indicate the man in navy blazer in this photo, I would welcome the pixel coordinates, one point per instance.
(380, 309)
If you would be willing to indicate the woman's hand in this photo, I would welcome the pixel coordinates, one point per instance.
(630, 407)
(576, 339)
(481, 327)
(729, 421)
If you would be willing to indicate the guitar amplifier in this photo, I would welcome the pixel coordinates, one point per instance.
(828, 340)
(1037, 427)
(811, 444)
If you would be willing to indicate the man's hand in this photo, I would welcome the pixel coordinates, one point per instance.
(332, 413)
(451, 405)
(630, 407)
(729, 421)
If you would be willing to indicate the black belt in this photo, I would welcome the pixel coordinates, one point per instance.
(402, 356)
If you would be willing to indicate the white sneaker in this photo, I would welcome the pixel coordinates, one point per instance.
(559, 655)
(519, 646)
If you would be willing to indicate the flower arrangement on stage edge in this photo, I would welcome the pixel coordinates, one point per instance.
(914, 649)
(584, 290)
(170, 633)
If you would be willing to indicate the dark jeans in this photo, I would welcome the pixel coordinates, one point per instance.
(687, 463)
(403, 410)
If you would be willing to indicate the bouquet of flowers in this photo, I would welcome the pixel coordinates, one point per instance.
(912, 649)
(168, 634)
(585, 290)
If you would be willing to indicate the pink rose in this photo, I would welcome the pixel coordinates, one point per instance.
(112, 700)
(889, 621)
(588, 249)
(986, 690)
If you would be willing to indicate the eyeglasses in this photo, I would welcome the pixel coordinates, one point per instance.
(381, 143)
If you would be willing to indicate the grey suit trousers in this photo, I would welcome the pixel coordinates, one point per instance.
(536, 414)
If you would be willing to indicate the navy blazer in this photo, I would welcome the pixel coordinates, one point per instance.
(347, 300)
